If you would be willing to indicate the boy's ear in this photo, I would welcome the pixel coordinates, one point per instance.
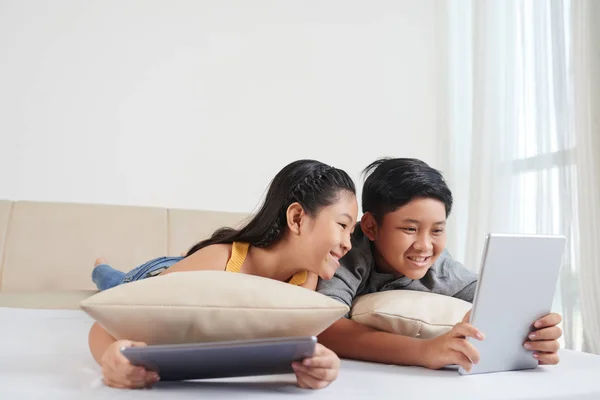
(368, 224)
(295, 216)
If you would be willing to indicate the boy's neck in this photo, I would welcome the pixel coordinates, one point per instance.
(381, 266)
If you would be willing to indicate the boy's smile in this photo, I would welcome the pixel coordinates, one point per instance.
(408, 241)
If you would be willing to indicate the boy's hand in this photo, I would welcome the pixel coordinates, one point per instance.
(319, 370)
(118, 371)
(544, 341)
(453, 348)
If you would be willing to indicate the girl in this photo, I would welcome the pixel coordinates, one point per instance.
(298, 235)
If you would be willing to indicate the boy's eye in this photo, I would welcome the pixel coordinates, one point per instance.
(343, 225)
(438, 231)
(410, 230)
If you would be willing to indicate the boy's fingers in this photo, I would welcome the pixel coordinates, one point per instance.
(466, 330)
(552, 319)
(547, 358)
(463, 361)
(467, 317)
(552, 333)
(547, 346)
(466, 349)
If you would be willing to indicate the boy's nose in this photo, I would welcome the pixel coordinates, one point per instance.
(423, 244)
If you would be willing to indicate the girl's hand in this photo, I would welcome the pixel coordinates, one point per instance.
(118, 371)
(319, 370)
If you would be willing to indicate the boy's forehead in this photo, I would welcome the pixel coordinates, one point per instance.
(421, 209)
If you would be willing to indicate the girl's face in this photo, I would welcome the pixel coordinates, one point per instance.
(325, 238)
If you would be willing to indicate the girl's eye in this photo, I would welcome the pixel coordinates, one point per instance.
(410, 230)
(343, 225)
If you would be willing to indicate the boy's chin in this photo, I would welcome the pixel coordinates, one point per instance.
(412, 273)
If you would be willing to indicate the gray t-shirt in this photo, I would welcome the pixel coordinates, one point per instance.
(358, 275)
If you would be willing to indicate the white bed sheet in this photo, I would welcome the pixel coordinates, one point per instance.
(44, 355)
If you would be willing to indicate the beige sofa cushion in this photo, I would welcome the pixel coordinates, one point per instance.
(57, 300)
(409, 313)
(52, 246)
(188, 227)
(202, 306)
(5, 207)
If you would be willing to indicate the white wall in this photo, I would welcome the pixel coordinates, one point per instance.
(198, 104)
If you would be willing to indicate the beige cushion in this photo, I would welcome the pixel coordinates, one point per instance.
(196, 306)
(5, 207)
(188, 227)
(58, 300)
(409, 313)
(52, 246)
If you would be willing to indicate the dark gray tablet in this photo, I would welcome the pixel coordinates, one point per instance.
(516, 286)
(222, 359)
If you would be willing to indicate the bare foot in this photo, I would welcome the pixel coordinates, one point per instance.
(100, 260)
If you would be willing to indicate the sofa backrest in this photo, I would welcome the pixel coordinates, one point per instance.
(53, 246)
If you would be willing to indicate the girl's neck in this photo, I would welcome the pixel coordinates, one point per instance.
(272, 262)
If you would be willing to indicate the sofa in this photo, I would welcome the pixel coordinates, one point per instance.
(47, 252)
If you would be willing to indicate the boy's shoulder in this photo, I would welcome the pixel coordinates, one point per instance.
(355, 269)
(451, 278)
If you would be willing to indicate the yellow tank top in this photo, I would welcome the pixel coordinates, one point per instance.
(239, 251)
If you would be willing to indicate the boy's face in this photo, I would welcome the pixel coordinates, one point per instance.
(410, 239)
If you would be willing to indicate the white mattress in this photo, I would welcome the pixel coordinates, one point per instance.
(44, 355)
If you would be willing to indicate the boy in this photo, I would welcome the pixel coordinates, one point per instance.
(400, 244)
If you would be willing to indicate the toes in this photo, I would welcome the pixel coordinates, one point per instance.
(100, 260)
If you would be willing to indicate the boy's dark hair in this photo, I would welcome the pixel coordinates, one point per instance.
(393, 182)
(311, 183)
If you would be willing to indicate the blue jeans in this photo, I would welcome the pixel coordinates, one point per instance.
(106, 277)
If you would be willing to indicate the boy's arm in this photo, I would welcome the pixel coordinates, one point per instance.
(349, 339)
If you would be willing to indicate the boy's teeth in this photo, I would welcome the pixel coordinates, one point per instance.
(417, 259)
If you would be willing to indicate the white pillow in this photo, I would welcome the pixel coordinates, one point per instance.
(202, 306)
(409, 313)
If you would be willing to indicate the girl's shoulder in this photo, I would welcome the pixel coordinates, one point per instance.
(213, 257)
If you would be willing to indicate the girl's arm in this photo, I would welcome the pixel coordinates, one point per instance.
(99, 340)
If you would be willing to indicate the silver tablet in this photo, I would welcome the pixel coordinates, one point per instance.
(516, 287)
(222, 359)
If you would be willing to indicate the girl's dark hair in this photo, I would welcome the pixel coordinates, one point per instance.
(393, 182)
(310, 183)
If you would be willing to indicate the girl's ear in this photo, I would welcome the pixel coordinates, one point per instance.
(295, 216)
(368, 224)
